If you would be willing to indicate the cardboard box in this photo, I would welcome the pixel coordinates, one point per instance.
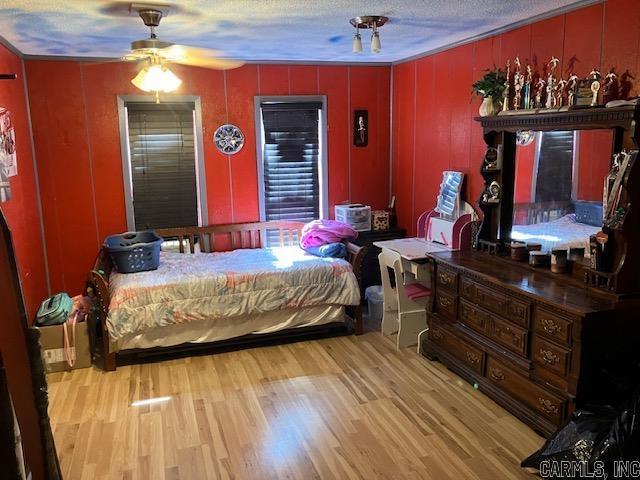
(52, 342)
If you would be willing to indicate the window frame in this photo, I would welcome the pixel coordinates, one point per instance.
(323, 170)
(201, 184)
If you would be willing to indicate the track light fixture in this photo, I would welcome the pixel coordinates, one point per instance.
(374, 22)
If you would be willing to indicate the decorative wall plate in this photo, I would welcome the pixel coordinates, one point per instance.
(229, 139)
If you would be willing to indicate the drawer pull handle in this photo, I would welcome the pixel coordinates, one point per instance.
(549, 357)
(496, 374)
(550, 326)
(515, 337)
(444, 302)
(473, 358)
(444, 279)
(436, 334)
(548, 406)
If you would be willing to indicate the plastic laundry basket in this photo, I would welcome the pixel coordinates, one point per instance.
(375, 299)
(134, 251)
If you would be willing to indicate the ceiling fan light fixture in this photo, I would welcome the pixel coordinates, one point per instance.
(156, 78)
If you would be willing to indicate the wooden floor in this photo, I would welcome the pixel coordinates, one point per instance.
(345, 407)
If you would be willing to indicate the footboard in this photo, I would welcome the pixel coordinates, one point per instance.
(213, 238)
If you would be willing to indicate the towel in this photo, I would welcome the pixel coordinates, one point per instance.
(334, 250)
(323, 232)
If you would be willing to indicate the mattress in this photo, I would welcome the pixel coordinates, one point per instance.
(565, 233)
(190, 288)
(213, 330)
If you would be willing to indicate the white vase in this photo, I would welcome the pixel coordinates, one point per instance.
(487, 107)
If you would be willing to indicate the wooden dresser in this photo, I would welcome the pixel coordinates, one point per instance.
(539, 344)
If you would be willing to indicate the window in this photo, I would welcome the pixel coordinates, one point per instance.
(554, 173)
(162, 172)
(291, 158)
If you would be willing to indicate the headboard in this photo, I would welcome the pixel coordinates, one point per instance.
(590, 213)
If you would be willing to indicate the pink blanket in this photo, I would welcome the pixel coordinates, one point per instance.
(323, 232)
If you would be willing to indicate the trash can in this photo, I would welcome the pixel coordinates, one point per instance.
(375, 299)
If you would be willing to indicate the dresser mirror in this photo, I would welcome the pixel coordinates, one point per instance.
(558, 189)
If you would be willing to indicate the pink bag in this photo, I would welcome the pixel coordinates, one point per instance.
(79, 312)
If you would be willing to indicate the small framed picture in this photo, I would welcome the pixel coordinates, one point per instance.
(360, 128)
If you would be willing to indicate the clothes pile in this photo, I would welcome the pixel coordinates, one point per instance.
(325, 238)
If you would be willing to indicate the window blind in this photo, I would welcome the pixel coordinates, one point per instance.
(163, 164)
(291, 159)
(554, 180)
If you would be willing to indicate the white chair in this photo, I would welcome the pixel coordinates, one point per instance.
(405, 305)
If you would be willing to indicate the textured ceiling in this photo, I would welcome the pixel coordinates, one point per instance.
(279, 30)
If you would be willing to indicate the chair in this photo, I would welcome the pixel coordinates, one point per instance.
(405, 305)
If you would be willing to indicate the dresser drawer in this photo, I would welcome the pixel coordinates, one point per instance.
(552, 326)
(509, 336)
(446, 304)
(447, 279)
(536, 397)
(550, 356)
(473, 358)
(474, 317)
(515, 310)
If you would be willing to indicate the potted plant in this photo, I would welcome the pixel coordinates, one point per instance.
(491, 87)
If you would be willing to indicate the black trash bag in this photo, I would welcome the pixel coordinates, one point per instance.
(622, 442)
(574, 442)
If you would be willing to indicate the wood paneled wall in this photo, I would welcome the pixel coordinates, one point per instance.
(77, 142)
(433, 127)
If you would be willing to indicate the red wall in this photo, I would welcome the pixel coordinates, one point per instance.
(433, 127)
(77, 142)
(23, 217)
(22, 210)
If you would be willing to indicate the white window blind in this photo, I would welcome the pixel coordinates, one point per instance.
(163, 164)
(291, 160)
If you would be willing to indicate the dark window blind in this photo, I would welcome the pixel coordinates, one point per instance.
(163, 164)
(291, 160)
(554, 181)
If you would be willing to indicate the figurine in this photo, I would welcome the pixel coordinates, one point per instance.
(571, 89)
(505, 94)
(560, 93)
(607, 88)
(527, 88)
(540, 88)
(551, 81)
(595, 76)
(518, 84)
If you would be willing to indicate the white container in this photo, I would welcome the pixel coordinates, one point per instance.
(375, 299)
(356, 215)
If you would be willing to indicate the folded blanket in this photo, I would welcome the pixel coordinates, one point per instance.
(333, 250)
(322, 232)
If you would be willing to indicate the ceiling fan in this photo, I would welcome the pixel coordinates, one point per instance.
(155, 76)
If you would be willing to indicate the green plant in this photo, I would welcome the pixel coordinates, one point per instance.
(491, 84)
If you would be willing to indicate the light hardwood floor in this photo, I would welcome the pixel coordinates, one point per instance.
(345, 407)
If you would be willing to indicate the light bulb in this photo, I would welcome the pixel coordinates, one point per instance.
(375, 42)
(357, 43)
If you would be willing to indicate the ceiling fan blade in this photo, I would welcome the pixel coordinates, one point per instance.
(198, 57)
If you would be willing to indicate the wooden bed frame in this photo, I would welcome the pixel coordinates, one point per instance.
(212, 239)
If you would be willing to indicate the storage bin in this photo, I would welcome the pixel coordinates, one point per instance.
(133, 252)
(356, 215)
(375, 299)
